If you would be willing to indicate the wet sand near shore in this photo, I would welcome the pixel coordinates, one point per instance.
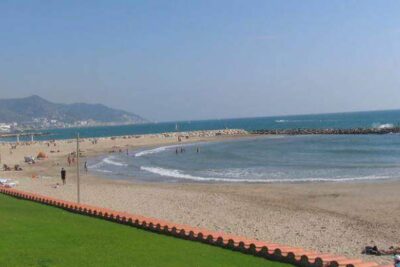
(338, 218)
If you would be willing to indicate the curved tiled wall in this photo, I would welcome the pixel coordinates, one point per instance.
(271, 251)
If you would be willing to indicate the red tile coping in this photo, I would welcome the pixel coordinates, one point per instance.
(272, 251)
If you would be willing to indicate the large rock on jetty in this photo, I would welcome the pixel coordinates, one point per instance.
(353, 131)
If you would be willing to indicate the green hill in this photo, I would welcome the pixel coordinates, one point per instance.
(26, 110)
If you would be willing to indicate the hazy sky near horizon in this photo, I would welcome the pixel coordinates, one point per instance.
(181, 60)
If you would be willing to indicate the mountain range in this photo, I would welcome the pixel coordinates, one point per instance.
(30, 109)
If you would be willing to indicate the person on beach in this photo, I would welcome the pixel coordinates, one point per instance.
(373, 250)
(85, 166)
(63, 175)
(69, 160)
(397, 261)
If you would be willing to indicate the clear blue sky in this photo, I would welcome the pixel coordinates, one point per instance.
(174, 60)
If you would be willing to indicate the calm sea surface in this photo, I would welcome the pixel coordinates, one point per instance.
(261, 159)
(338, 120)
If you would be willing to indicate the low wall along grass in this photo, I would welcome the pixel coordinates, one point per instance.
(38, 235)
(58, 235)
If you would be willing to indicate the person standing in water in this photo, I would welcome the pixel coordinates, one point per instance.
(63, 175)
(198, 150)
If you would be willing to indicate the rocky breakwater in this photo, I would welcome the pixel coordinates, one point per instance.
(353, 131)
(182, 135)
(205, 133)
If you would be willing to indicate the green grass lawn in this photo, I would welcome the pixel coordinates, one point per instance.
(32, 234)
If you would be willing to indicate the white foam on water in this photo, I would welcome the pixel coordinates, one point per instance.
(383, 126)
(105, 171)
(96, 165)
(153, 151)
(181, 175)
(310, 120)
(108, 160)
(111, 161)
(161, 149)
(178, 174)
(238, 173)
(387, 125)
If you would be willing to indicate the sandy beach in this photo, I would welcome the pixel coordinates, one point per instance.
(337, 217)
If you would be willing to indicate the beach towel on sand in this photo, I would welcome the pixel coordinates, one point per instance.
(7, 183)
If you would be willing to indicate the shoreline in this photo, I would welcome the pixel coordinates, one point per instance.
(327, 217)
(165, 175)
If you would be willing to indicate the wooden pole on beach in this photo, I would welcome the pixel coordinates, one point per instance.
(77, 169)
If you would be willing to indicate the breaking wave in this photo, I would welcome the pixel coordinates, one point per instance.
(162, 149)
(178, 174)
(105, 171)
(153, 151)
(110, 161)
(263, 160)
(383, 126)
(101, 166)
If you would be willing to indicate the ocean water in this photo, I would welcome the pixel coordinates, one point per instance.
(261, 160)
(337, 120)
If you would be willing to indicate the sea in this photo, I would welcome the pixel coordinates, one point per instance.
(261, 159)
